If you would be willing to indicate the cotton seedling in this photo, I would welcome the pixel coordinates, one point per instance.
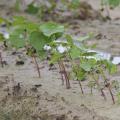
(76, 53)
(33, 36)
(58, 55)
(111, 69)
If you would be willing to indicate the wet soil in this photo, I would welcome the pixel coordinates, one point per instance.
(24, 96)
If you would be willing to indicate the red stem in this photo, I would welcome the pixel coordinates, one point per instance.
(1, 61)
(81, 87)
(37, 66)
(66, 76)
(61, 72)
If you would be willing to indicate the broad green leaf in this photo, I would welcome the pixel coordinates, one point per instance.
(42, 54)
(75, 52)
(38, 40)
(79, 73)
(17, 38)
(22, 23)
(31, 26)
(18, 21)
(109, 66)
(51, 28)
(86, 66)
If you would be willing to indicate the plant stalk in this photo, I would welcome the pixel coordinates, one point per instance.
(1, 60)
(66, 75)
(37, 66)
(61, 72)
(81, 87)
(109, 88)
(102, 92)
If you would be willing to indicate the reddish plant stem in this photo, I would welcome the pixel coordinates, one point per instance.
(111, 94)
(102, 92)
(78, 80)
(81, 87)
(108, 86)
(65, 75)
(61, 72)
(37, 66)
(1, 61)
(110, 91)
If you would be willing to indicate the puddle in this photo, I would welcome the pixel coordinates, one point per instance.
(107, 56)
(116, 60)
(102, 55)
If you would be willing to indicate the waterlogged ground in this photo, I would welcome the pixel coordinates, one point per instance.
(46, 98)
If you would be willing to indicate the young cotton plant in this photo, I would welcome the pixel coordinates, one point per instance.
(33, 36)
(58, 55)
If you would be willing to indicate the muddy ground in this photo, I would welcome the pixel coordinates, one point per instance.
(24, 96)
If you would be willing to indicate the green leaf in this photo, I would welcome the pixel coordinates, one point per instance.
(1, 37)
(55, 58)
(17, 38)
(114, 3)
(86, 66)
(19, 20)
(74, 4)
(32, 9)
(111, 67)
(79, 73)
(51, 28)
(38, 40)
(69, 39)
(75, 52)
(2, 20)
(42, 54)
(22, 23)
(87, 37)
(31, 26)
